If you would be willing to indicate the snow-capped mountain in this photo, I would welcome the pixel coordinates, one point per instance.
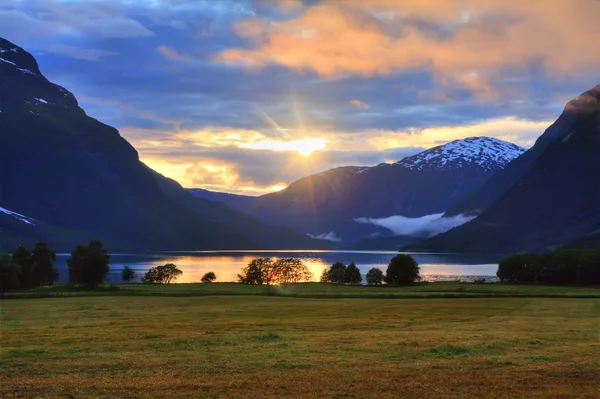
(486, 152)
(423, 184)
(28, 88)
(546, 198)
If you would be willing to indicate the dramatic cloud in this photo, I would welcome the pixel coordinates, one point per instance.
(426, 226)
(463, 43)
(250, 95)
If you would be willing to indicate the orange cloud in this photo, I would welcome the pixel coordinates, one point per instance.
(359, 104)
(462, 42)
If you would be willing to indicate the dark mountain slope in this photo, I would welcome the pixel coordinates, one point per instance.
(63, 168)
(240, 202)
(557, 199)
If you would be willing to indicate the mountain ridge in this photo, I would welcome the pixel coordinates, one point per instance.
(330, 201)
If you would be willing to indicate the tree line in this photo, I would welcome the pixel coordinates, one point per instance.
(402, 269)
(88, 266)
(23, 269)
(562, 266)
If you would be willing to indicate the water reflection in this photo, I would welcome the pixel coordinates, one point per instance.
(227, 265)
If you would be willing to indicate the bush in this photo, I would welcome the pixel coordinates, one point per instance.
(403, 269)
(88, 264)
(352, 275)
(209, 277)
(374, 276)
(161, 274)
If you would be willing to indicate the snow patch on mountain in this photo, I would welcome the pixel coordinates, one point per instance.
(18, 216)
(485, 152)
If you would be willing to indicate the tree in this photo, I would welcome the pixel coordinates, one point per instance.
(374, 276)
(352, 275)
(88, 264)
(324, 276)
(403, 269)
(522, 268)
(561, 266)
(22, 257)
(161, 274)
(291, 270)
(259, 271)
(9, 274)
(43, 269)
(209, 277)
(127, 274)
(266, 271)
(337, 272)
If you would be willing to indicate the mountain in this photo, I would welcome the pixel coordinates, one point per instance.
(551, 193)
(74, 174)
(241, 202)
(327, 204)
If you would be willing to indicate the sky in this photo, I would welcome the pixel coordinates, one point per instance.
(248, 96)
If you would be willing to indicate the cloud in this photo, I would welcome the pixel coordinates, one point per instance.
(52, 17)
(359, 104)
(171, 53)
(426, 226)
(80, 53)
(327, 237)
(461, 42)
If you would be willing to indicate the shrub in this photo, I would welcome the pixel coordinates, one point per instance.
(209, 277)
(402, 269)
(374, 276)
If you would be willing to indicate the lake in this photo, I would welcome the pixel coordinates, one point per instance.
(227, 264)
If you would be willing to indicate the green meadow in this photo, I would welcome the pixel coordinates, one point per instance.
(303, 341)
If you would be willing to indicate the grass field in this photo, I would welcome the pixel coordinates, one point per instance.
(273, 347)
(317, 290)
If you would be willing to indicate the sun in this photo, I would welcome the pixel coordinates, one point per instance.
(305, 147)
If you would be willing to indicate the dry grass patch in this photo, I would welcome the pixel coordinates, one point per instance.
(269, 347)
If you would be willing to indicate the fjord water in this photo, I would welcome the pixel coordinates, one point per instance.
(227, 264)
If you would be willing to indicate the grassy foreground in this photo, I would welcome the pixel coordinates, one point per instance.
(272, 347)
(317, 290)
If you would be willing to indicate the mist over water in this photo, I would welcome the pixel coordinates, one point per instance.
(425, 226)
(227, 265)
